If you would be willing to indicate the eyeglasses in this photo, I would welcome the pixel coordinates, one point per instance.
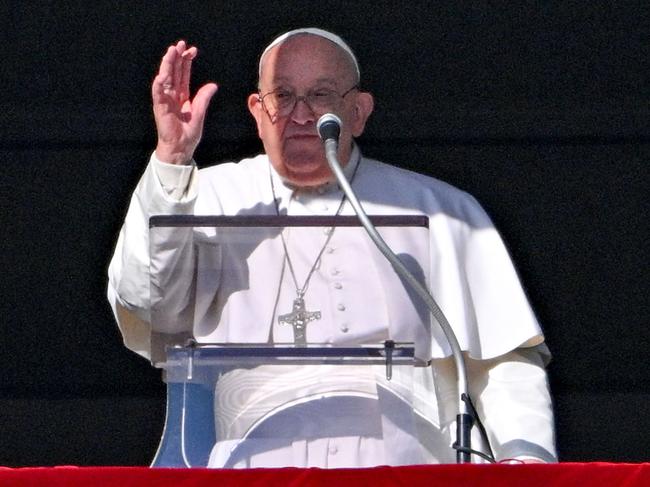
(281, 102)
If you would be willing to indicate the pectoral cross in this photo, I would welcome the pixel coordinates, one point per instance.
(298, 318)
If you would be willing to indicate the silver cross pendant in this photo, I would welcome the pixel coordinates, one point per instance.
(298, 318)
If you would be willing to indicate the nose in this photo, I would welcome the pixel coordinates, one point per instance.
(302, 113)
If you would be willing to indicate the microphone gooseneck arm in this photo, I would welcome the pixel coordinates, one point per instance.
(464, 418)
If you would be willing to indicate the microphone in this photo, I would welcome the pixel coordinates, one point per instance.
(329, 127)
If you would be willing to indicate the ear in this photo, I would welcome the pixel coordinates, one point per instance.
(363, 106)
(255, 107)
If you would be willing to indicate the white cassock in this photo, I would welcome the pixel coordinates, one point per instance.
(468, 269)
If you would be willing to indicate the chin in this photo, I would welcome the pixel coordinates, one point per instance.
(307, 172)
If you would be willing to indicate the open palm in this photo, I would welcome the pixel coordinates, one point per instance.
(179, 119)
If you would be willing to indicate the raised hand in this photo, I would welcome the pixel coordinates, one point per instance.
(179, 119)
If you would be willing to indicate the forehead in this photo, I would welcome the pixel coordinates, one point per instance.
(306, 58)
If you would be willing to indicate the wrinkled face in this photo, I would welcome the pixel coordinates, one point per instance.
(303, 65)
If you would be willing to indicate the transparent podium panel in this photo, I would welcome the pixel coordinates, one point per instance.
(247, 406)
(279, 279)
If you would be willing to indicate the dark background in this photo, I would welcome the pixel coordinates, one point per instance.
(539, 109)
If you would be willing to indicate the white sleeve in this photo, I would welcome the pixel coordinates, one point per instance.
(163, 189)
(512, 397)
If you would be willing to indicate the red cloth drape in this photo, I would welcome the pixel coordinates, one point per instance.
(553, 475)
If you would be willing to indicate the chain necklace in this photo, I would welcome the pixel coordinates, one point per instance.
(299, 316)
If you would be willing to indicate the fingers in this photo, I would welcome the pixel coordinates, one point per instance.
(174, 73)
(166, 72)
(186, 69)
(177, 65)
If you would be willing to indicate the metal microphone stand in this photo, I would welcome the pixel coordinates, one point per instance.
(464, 419)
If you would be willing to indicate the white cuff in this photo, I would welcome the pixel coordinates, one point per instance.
(175, 179)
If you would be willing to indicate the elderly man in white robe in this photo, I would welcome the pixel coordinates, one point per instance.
(302, 75)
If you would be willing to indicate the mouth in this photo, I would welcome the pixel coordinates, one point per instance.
(302, 137)
(301, 134)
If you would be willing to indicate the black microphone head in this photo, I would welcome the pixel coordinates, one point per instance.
(329, 127)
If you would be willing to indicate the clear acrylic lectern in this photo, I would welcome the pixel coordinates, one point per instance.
(243, 390)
